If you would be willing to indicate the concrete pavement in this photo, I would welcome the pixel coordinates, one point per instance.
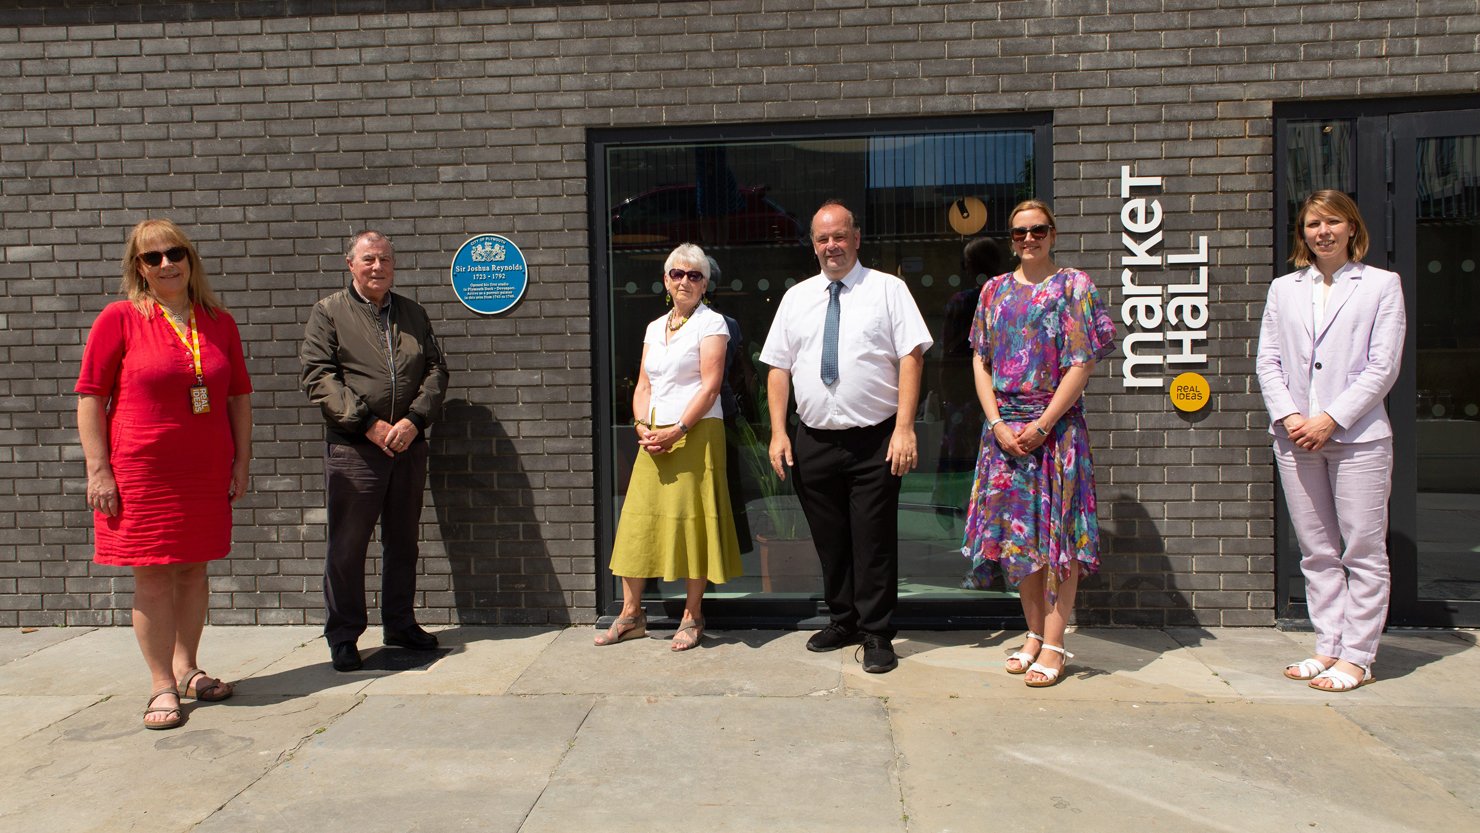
(537, 731)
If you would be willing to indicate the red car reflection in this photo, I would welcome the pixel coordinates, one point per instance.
(669, 215)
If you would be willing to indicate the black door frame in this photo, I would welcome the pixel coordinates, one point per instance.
(768, 612)
(1386, 133)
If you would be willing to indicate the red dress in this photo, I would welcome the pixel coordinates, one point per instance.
(173, 466)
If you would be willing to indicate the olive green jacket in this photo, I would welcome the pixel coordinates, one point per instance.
(351, 373)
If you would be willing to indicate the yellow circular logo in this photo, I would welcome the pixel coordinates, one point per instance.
(1190, 392)
(967, 215)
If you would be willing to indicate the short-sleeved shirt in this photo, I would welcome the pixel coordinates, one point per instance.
(673, 367)
(1030, 334)
(879, 324)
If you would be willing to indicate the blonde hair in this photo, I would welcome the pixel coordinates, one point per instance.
(1337, 204)
(136, 289)
(1034, 205)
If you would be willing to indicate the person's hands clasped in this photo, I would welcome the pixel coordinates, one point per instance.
(903, 456)
(659, 440)
(1031, 436)
(392, 439)
(1310, 434)
(1007, 440)
(102, 493)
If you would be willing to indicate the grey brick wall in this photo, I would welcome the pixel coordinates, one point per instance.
(272, 136)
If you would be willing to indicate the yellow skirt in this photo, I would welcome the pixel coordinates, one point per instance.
(676, 522)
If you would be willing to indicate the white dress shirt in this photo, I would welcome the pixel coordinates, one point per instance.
(673, 368)
(878, 325)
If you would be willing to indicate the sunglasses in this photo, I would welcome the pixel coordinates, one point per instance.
(174, 254)
(1020, 233)
(679, 274)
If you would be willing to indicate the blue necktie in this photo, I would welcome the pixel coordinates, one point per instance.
(830, 336)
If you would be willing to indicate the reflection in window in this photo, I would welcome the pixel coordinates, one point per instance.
(748, 204)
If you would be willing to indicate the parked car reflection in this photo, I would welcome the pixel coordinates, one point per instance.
(669, 215)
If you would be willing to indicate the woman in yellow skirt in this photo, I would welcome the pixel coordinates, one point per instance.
(676, 521)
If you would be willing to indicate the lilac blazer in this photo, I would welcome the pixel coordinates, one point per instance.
(1353, 359)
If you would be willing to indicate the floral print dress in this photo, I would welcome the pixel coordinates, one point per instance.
(1028, 513)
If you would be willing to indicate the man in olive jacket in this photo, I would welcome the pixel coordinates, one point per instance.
(372, 365)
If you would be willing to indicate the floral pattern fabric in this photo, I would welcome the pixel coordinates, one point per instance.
(1035, 512)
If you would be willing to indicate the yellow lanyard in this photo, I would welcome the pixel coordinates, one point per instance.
(192, 343)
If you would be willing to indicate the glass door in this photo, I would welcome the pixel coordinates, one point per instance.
(1436, 495)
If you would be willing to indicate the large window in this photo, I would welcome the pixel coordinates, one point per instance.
(920, 192)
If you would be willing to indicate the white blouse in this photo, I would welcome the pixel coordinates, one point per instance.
(673, 368)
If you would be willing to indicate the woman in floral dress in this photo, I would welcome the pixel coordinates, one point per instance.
(1038, 332)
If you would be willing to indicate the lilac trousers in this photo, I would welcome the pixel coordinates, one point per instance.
(1338, 500)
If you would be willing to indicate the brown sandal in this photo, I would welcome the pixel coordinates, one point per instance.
(150, 708)
(208, 690)
(623, 629)
(687, 626)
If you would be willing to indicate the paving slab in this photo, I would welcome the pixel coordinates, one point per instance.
(22, 715)
(419, 762)
(19, 642)
(1250, 661)
(736, 663)
(1130, 768)
(726, 765)
(101, 770)
(484, 660)
(1441, 742)
(107, 660)
(1136, 665)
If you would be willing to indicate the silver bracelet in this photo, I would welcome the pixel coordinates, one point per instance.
(992, 424)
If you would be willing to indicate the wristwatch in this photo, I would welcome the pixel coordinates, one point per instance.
(683, 429)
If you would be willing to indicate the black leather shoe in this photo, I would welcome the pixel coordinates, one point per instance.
(831, 638)
(413, 637)
(878, 655)
(346, 656)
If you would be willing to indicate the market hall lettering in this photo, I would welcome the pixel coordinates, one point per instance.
(1169, 322)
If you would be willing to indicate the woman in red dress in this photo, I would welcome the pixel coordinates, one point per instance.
(165, 416)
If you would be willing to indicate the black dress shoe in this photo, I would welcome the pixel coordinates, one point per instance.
(878, 655)
(346, 656)
(831, 638)
(413, 637)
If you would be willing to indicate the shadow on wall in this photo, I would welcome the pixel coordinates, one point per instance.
(499, 565)
(1136, 584)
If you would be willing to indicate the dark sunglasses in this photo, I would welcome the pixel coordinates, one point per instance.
(174, 254)
(1020, 233)
(680, 274)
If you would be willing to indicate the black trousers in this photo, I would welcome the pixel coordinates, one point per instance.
(365, 487)
(852, 505)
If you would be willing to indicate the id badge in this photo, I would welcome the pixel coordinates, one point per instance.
(200, 399)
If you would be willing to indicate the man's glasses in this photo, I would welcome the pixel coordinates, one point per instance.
(174, 254)
(1020, 233)
(679, 274)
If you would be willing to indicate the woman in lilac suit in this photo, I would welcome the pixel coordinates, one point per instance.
(1329, 351)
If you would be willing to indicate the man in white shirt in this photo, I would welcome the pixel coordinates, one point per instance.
(852, 341)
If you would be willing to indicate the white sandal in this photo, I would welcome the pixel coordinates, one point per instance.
(1340, 680)
(1024, 658)
(1051, 673)
(1306, 669)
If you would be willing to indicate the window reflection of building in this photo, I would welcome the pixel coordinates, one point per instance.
(748, 204)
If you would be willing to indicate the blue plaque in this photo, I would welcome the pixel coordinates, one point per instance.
(489, 274)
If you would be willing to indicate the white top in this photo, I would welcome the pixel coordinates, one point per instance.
(673, 368)
(878, 324)
(1320, 293)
